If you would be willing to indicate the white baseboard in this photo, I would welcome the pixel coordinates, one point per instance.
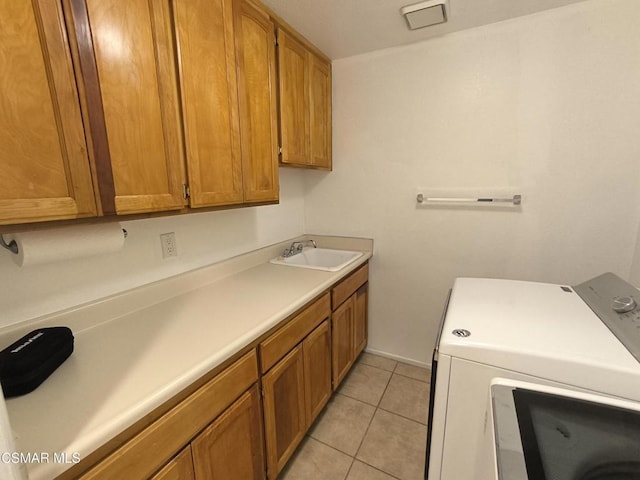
(398, 358)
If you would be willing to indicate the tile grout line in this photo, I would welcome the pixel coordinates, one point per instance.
(391, 412)
(377, 406)
(410, 378)
(396, 413)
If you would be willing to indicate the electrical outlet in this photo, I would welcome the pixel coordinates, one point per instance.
(169, 245)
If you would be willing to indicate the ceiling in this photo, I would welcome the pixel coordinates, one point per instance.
(343, 28)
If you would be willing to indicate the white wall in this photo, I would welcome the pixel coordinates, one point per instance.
(546, 105)
(202, 239)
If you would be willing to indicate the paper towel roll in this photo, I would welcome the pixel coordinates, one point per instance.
(68, 243)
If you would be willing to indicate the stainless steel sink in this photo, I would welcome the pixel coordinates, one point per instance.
(319, 259)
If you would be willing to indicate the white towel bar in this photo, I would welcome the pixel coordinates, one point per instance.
(515, 200)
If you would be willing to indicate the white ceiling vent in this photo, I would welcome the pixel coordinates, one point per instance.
(425, 14)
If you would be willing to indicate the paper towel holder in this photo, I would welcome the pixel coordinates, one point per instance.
(12, 246)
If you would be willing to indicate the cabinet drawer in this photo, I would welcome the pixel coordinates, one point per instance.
(154, 446)
(281, 342)
(348, 286)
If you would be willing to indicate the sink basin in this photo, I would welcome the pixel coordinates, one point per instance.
(319, 259)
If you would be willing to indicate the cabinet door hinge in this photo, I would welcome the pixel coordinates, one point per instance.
(279, 150)
(186, 193)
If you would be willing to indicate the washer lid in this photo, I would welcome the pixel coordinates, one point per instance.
(540, 329)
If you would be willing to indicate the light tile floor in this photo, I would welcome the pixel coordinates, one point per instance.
(373, 428)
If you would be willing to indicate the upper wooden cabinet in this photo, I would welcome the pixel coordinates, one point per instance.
(227, 70)
(305, 104)
(207, 60)
(176, 83)
(44, 167)
(134, 56)
(294, 100)
(320, 113)
(256, 57)
(112, 107)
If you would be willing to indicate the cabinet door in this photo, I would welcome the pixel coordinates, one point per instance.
(342, 340)
(208, 82)
(255, 45)
(284, 410)
(133, 47)
(180, 468)
(320, 112)
(294, 99)
(317, 370)
(360, 319)
(44, 168)
(231, 448)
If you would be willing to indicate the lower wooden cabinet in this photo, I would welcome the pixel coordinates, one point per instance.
(349, 322)
(180, 468)
(316, 350)
(360, 322)
(232, 446)
(342, 340)
(284, 410)
(296, 389)
(222, 397)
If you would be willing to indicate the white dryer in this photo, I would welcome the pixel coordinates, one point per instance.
(534, 381)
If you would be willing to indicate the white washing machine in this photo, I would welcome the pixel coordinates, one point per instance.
(534, 381)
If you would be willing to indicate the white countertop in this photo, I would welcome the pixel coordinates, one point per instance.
(136, 350)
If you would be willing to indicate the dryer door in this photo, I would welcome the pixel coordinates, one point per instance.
(548, 433)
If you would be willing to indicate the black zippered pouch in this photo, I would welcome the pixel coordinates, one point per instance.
(26, 363)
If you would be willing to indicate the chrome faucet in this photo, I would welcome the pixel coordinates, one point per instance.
(296, 247)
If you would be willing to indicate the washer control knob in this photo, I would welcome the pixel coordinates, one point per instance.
(623, 304)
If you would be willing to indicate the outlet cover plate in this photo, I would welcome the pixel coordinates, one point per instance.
(169, 245)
